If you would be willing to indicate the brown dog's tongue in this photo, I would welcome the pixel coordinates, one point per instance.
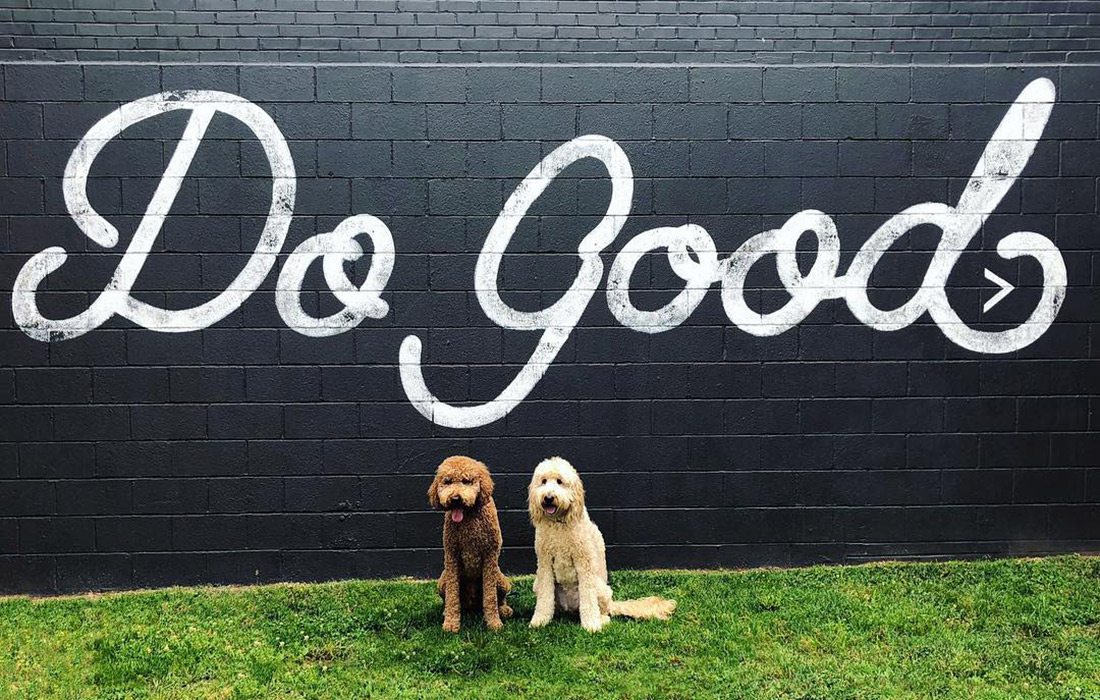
(457, 514)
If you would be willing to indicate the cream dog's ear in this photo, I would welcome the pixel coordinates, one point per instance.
(534, 508)
(576, 490)
(433, 493)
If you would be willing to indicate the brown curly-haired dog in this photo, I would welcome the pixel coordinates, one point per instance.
(471, 578)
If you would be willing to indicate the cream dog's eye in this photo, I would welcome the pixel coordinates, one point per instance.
(544, 481)
(559, 481)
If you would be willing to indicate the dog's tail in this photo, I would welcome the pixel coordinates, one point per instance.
(651, 608)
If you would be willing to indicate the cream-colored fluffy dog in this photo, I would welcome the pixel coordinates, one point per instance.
(572, 566)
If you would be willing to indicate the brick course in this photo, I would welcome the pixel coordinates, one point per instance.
(552, 31)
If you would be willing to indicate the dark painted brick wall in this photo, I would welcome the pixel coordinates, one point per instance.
(981, 31)
(248, 452)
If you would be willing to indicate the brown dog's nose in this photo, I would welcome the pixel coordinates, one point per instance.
(456, 500)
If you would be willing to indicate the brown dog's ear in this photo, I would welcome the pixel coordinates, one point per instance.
(433, 493)
(485, 483)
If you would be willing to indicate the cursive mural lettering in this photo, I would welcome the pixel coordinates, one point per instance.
(115, 297)
(557, 321)
(334, 249)
(690, 251)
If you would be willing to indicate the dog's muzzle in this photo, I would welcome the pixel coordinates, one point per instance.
(456, 509)
(549, 505)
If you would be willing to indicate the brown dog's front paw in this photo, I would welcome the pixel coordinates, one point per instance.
(451, 625)
(494, 624)
(506, 611)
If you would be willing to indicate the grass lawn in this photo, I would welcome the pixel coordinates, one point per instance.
(1004, 629)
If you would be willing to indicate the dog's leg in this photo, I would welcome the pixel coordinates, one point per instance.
(489, 577)
(503, 587)
(544, 593)
(452, 594)
(604, 599)
(588, 588)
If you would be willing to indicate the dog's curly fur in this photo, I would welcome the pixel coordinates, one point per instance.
(572, 565)
(471, 578)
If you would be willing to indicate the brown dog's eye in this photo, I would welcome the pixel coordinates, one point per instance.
(447, 480)
(466, 481)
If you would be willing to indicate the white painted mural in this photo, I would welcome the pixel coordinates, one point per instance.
(690, 250)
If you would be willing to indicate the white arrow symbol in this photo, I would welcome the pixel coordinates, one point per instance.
(1005, 286)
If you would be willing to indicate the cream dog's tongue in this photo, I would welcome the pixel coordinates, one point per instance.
(457, 514)
(550, 510)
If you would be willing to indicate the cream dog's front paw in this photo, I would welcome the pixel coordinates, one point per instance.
(540, 620)
(593, 625)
